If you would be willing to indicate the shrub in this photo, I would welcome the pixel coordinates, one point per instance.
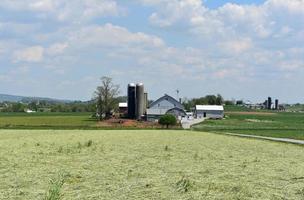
(89, 143)
(167, 120)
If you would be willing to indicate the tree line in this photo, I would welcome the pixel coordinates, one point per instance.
(45, 106)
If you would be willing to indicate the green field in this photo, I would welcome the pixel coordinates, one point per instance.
(47, 121)
(275, 124)
(146, 165)
(282, 125)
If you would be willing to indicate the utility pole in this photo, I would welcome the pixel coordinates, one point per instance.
(177, 94)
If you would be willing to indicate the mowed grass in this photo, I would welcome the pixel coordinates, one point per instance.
(146, 165)
(46, 120)
(281, 125)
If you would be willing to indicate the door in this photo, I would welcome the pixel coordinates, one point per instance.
(205, 115)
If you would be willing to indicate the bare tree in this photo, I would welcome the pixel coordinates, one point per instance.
(105, 95)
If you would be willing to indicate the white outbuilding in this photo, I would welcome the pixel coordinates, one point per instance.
(209, 111)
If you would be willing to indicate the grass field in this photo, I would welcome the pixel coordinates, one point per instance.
(282, 125)
(47, 121)
(146, 165)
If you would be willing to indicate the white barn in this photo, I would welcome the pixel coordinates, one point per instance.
(165, 105)
(209, 111)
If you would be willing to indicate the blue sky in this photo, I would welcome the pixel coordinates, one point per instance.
(241, 49)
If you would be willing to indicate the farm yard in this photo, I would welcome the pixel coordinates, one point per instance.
(146, 164)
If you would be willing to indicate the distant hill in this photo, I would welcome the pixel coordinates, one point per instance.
(14, 98)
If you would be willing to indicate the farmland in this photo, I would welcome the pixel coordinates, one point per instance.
(146, 165)
(47, 120)
(272, 124)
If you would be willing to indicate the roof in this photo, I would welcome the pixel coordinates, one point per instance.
(168, 98)
(123, 105)
(209, 107)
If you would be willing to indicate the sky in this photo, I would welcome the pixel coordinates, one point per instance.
(241, 49)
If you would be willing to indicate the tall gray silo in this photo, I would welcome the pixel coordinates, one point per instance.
(140, 100)
(131, 101)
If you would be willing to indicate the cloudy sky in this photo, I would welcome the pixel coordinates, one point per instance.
(246, 49)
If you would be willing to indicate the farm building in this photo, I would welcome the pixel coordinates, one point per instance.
(165, 105)
(123, 108)
(209, 111)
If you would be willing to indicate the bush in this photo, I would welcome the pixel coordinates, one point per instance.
(167, 120)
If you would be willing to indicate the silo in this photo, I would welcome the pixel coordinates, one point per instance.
(277, 104)
(140, 100)
(269, 103)
(266, 104)
(131, 101)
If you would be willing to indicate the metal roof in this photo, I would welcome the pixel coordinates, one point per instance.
(167, 98)
(123, 105)
(209, 107)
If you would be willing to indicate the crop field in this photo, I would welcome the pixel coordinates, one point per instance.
(46, 120)
(101, 164)
(281, 125)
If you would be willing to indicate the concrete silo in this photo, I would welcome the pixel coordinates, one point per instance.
(132, 101)
(140, 100)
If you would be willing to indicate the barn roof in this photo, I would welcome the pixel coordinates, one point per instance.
(168, 98)
(209, 107)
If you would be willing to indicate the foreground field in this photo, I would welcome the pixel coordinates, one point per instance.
(281, 125)
(146, 165)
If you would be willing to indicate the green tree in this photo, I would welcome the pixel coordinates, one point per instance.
(219, 100)
(167, 120)
(18, 107)
(33, 106)
(105, 97)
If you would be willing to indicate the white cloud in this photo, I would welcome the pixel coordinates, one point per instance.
(57, 49)
(30, 54)
(237, 46)
(66, 10)
(112, 36)
(258, 21)
(42, 5)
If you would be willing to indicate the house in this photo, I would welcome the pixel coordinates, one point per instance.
(165, 105)
(29, 111)
(209, 111)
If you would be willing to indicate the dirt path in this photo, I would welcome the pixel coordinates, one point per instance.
(286, 140)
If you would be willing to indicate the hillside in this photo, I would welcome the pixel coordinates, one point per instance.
(15, 98)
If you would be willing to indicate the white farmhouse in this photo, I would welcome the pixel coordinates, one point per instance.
(209, 111)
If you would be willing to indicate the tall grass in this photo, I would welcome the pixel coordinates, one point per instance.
(55, 188)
